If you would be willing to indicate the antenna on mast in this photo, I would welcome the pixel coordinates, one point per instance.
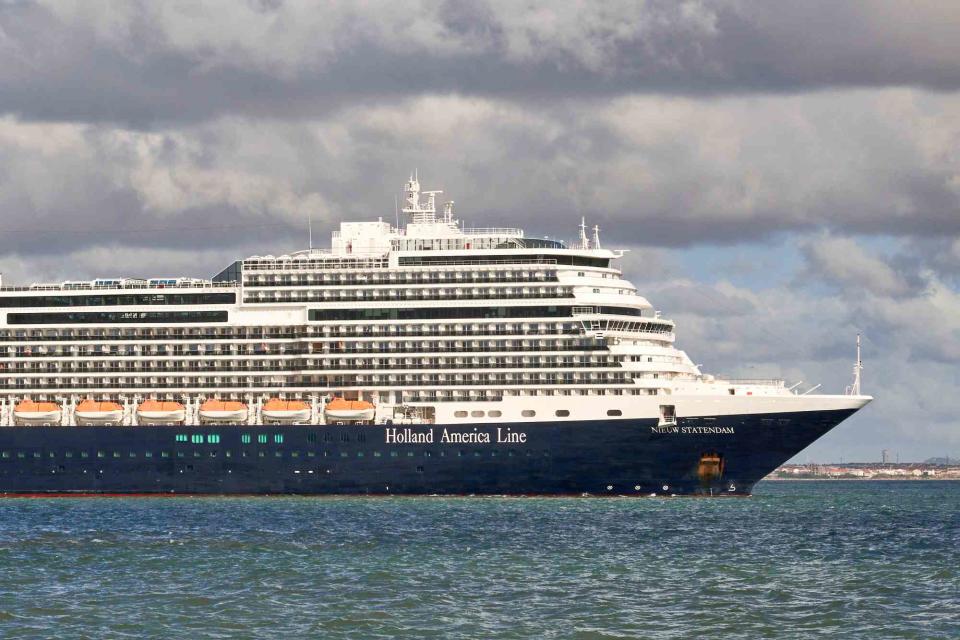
(854, 389)
(584, 241)
(596, 236)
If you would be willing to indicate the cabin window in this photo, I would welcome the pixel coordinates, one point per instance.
(180, 437)
(494, 413)
(563, 413)
(262, 438)
(476, 414)
(528, 413)
(614, 412)
(213, 438)
(164, 454)
(6, 454)
(460, 414)
(196, 438)
(245, 438)
(278, 438)
(312, 437)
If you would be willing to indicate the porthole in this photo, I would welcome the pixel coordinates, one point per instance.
(528, 413)
(563, 413)
(494, 413)
(476, 414)
(614, 412)
(459, 414)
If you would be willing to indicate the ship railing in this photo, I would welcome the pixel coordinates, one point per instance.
(465, 262)
(493, 231)
(90, 287)
(760, 382)
(331, 261)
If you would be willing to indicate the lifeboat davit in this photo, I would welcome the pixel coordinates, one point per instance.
(340, 409)
(91, 412)
(30, 412)
(286, 410)
(159, 412)
(223, 411)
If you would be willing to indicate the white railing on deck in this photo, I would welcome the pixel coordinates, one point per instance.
(89, 287)
(493, 231)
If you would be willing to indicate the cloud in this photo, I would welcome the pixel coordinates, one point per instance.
(842, 262)
(144, 63)
(655, 170)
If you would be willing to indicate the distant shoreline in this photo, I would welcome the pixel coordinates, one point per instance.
(838, 479)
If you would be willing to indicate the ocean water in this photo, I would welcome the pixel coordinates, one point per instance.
(797, 560)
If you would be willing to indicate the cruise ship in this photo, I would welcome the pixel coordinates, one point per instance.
(427, 358)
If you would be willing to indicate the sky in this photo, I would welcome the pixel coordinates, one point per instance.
(785, 175)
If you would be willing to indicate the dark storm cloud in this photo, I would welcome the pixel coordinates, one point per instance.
(659, 171)
(144, 63)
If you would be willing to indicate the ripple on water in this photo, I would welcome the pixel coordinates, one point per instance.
(797, 560)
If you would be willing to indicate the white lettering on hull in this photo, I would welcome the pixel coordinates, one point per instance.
(406, 435)
(674, 429)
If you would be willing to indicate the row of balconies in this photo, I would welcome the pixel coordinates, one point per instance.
(404, 277)
(294, 367)
(369, 382)
(288, 333)
(266, 350)
(408, 348)
(419, 295)
(362, 265)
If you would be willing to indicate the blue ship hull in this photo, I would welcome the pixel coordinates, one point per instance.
(722, 456)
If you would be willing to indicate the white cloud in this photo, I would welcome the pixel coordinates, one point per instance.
(843, 262)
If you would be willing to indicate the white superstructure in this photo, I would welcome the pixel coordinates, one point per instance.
(433, 321)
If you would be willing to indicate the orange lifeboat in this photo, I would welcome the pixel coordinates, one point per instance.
(340, 409)
(278, 410)
(39, 413)
(160, 412)
(91, 412)
(223, 411)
